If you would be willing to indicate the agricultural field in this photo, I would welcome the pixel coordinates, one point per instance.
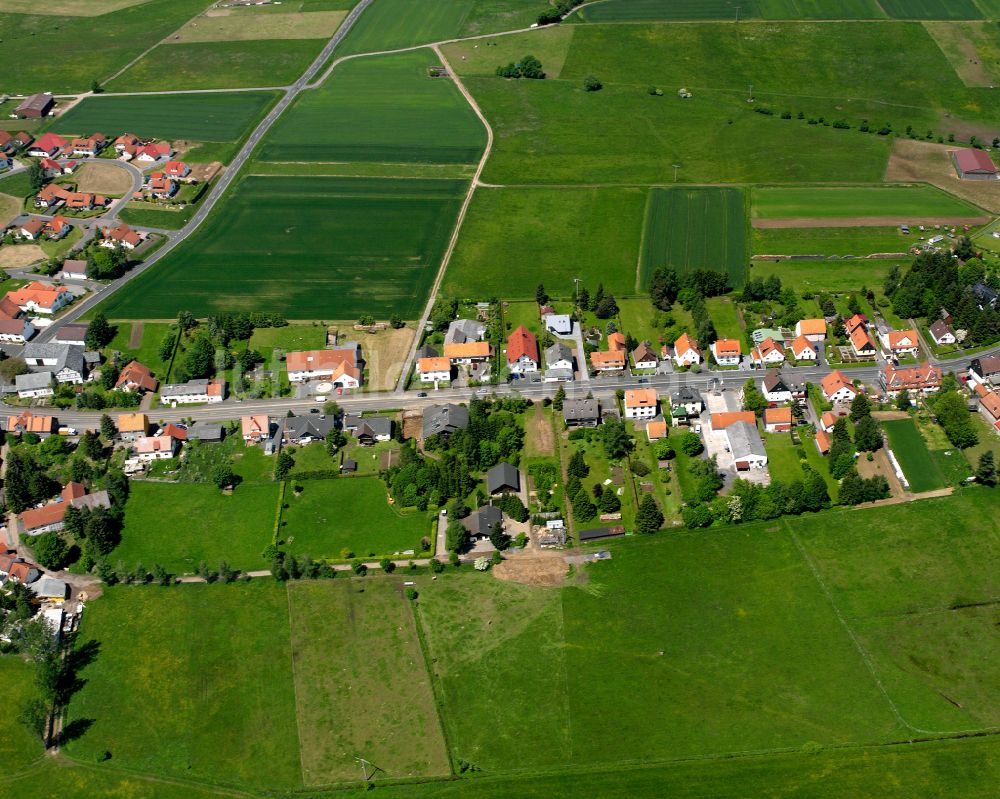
(18, 747)
(539, 235)
(861, 204)
(922, 472)
(931, 9)
(833, 276)
(686, 10)
(236, 24)
(384, 109)
(143, 214)
(972, 48)
(348, 513)
(352, 245)
(695, 228)
(219, 65)
(931, 163)
(214, 117)
(180, 525)
(374, 699)
(830, 241)
(291, 337)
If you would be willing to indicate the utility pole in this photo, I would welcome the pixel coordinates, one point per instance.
(737, 15)
(576, 291)
(750, 94)
(676, 167)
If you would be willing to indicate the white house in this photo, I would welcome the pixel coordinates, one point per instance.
(193, 391)
(901, 343)
(640, 403)
(34, 384)
(686, 352)
(813, 330)
(774, 388)
(559, 323)
(644, 357)
(802, 349)
(559, 356)
(746, 447)
(434, 370)
(39, 298)
(522, 351)
(942, 333)
(837, 388)
(727, 352)
(156, 448)
(73, 270)
(65, 361)
(768, 353)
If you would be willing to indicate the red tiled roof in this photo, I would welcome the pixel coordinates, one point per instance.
(720, 421)
(137, 375)
(974, 161)
(522, 342)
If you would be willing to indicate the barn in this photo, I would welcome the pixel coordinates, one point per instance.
(35, 107)
(974, 165)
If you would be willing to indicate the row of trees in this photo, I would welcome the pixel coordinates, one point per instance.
(528, 67)
(748, 501)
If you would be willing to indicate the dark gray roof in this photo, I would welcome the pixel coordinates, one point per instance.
(444, 419)
(71, 332)
(482, 522)
(372, 425)
(205, 431)
(558, 352)
(66, 356)
(984, 367)
(940, 328)
(773, 381)
(36, 102)
(32, 381)
(349, 465)
(308, 426)
(502, 476)
(462, 330)
(983, 293)
(685, 394)
(600, 532)
(183, 389)
(575, 410)
(427, 351)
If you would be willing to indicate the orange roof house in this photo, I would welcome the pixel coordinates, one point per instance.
(133, 423)
(27, 422)
(640, 398)
(468, 351)
(861, 340)
(428, 365)
(777, 420)
(522, 346)
(810, 327)
(837, 388)
(802, 348)
(255, 428)
(616, 341)
(608, 361)
(720, 421)
(903, 340)
(822, 442)
(136, 377)
(656, 429)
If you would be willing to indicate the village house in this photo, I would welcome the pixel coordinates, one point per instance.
(775, 389)
(989, 406)
(656, 429)
(193, 391)
(50, 168)
(126, 140)
(942, 333)
(522, 351)
(160, 186)
(434, 370)
(144, 153)
(581, 412)
(481, 524)
(52, 196)
(558, 323)
(777, 420)
(136, 377)
(6, 162)
(813, 330)
(560, 363)
(27, 422)
(255, 429)
(837, 388)
(614, 358)
(341, 367)
(640, 403)
(15, 327)
(721, 420)
(122, 236)
(644, 357)
(687, 401)
(73, 269)
(802, 349)
(985, 370)
(827, 420)
(32, 229)
(49, 517)
(923, 379)
(852, 323)
(132, 426)
(727, 352)
(306, 428)
(462, 331)
(503, 479)
(48, 145)
(90, 146)
(34, 385)
(822, 442)
(74, 333)
(64, 361)
(901, 343)
(368, 430)
(468, 352)
(745, 445)
(862, 343)
(443, 420)
(686, 352)
(176, 169)
(85, 201)
(768, 353)
(156, 448)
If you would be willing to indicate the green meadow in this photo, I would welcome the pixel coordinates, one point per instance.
(840, 202)
(307, 247)
(830, 241)
(816, 276)
(922, 472)
(685, 10)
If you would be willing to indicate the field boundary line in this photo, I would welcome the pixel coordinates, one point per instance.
(453, 241)
(642, 240)
(295, 681)
(438, 699)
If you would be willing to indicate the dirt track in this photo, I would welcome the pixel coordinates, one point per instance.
(536, 568)
(867, 221)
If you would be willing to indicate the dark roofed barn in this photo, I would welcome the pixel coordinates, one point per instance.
(35, 107)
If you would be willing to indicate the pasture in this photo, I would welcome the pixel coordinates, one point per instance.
(219, 65)
(921, 470)
(382, 109)
(180, 525)
(857, 203)
(226, 25)
(513, 239)
(67, 8)
(216, 117)
(350, 695)
(310, 248)
(348, 513)
(695, 228)
(830, 241)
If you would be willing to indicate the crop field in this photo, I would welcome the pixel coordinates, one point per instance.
(216, 117)
(931, 9)
(222, 25)
(310, 248)
(973, 49)
(68, 8)
(180, 525)
(658, 11)
(381, 109)
(857, 203)
(820, 9)
(219, 65)
(922, 473)
(695, 228)
(351, 695)
(317, 522)
(530, 235)
(830, 241)
(393, 24)
(90, 48)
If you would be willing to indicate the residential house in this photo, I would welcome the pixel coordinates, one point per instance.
(464, 331)
(581, 412)
(827, 421)
(51, 196)
(746, 446)
(616, 342)
(6, 162)
(65, 361)
(522, 351)
(468, 352)
(125, 141)
(434, 370)
(862, 342)
(34, 385)
(255, 428)
(427, 351)
(58, 227)
(560, 324)
(777, 420)
(687, 400)
(40, 298)
(989, 406)
(852, 323)
(368, 430)
(193, 391)
(32, 229)
(802, 349)
(644, 357)
(768, 353)
(641, 403)
(174, 431)
(686, 352)
(90, 146)
(942, 333)
(122, 236)
(443, 420)
(160, 186)
(775, 389)
(22, 140)
(984, 296)
(985, 369)
(176, 169)
(49, 517)
(73, 333)
(136, 377)
(837, 388)
(559, 359)
(923, 379)
(48, 145)
(901, 343)
(656, 429)
(813, 330)
(15, 327)
(481, 523)
(27, 422)
(17, 569)
(341, 366)
(306, 428)
(503, 479)
(822, 442)
(50, 168)
(209, 432)
(73, 269)
(35, 106)
(720, 421)
(132, 426)
(613, 361)
(156, 448)
(727, 352)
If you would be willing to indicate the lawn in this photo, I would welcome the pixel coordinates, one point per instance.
(348, 513)
(219, 65)
(310, 248)
(841, 202)
(180, 525)
(922, 472)
(215, 117)
(830, 241)
(148, 352)
(18, 747)
(384, 109)
(514, 239)
(695, 228)
(211, 665)
(726, 318)
(835, 276)
(163, 217)
(352, 697)
(783, 460)
(288, 338)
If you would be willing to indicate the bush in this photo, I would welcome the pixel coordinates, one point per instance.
(592, 84)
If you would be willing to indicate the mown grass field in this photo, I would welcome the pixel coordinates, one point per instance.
(348, 513)
(148, 351)
(514, 239)
(292, 337)
(219, 65)
(380, 109)
(310, 248)
(830, 241)
(180, 525)
(341, 679)
(922, 473)
(816, 276)
(856, 201)
(18, 747)
(658, 11)
(240, 23)
(215, 117)
(695, 228)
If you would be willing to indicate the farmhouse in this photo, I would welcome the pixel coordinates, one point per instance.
(132, 426)
(769, 353)
(503, 479)
(369, 430)
(727, 352)
(156, 448)
(686, 401)
(48, 145)
(686, 352)
(522, 351)
(35, 106)
(558, 323)
(65, 361)
(194, 391)
(924, 379)
(643, 356)
(746, 446)
(942, 333)
(581, 412)
(813, 330)
(443, 420)
(901, 343)
(640, 403)
(837, 388)
(803, 349)
(434, 370)
(974, 165)
(122, 235)
(255, 428)
(49, 518)
(342, 366)
(27, 422)
(73, 269)
(136, 377)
